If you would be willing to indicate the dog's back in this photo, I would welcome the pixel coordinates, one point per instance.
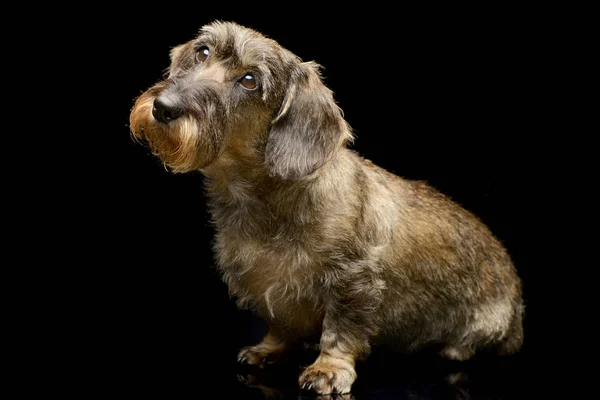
(447, 279)
(453, 281)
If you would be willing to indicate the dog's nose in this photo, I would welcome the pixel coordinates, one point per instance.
(165, 110)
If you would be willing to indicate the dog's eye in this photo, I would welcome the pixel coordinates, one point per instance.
(202, 54)
(249, 82)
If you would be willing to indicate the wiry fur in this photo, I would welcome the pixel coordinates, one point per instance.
(323, 244)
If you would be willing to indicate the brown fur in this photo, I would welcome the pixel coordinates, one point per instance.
(323, 244)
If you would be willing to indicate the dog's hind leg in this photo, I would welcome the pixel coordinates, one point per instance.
(459, 353)
(514, 337)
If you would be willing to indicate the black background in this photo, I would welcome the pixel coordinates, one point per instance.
(456, 97)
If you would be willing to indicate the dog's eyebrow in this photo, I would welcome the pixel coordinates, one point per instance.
(206, 38)
(200, 41)
(244, 44)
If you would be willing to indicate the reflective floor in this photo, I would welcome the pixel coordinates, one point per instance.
(385, 376)
(213, 373)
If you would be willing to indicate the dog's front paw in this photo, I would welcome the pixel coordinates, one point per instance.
(259, 356)
(328, 377)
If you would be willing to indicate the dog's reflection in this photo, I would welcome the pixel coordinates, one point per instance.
(453, 386)
(253, 381)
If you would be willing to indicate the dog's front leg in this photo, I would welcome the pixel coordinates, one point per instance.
(347, 326)
(266, 352)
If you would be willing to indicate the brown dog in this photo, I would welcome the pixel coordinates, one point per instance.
(324, 245)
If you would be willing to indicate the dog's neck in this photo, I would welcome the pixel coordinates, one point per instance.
(237, 163)
(242, 177)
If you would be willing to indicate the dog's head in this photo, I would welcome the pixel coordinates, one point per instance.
(233, 91)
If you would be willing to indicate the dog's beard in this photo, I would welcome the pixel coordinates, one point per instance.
(183, 145)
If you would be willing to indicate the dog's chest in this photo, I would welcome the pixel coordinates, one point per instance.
(279, 280)
(270, 253)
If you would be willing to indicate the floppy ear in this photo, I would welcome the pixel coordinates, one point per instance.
(309, 129)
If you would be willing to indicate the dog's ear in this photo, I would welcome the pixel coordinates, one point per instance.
(309, 128)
